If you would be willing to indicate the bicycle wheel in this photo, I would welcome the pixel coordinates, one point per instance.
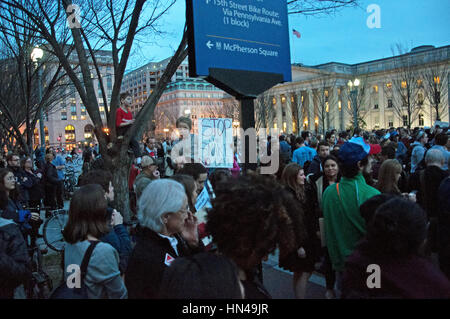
(40, 285)
(52, 231)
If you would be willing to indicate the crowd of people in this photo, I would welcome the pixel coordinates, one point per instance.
(339, 203)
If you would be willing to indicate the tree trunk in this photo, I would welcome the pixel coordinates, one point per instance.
(121, 164)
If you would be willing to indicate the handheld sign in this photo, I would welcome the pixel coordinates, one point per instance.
(216, 142)
(246, 35)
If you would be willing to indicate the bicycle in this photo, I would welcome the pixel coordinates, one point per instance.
(53, 226)
(40, 285)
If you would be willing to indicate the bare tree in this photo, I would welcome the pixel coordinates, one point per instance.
(166, 117)
(229, 108)
(318, 7)
(323, 97)
(404, 88)
(264, 111)
(19, 101)
(435, 88)
(112, 25)
(360, 105)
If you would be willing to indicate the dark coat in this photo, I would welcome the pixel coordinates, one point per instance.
(427, 196)
(411, 277)
(50, 175)
(443, 222)
(148, 262)
(14, 259)
(306, 224)
(31, 186)
(315, 167)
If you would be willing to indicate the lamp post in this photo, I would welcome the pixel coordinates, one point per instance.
(36, 55)
(235, 126)
(353, 86)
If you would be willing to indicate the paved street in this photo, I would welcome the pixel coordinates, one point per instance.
(279, 281)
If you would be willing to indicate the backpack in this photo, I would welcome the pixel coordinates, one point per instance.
(64, 292)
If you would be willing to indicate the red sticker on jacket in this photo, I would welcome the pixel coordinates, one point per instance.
(169, 259)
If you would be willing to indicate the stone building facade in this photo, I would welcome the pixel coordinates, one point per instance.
(68, 124)
(319, 98)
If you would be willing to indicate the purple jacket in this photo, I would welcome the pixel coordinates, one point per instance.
(409, 278)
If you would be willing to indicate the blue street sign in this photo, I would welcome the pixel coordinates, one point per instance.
(248, 35)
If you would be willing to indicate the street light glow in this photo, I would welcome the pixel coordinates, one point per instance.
(350, 83)
(187, 111)
(356, 82)
(36, 54)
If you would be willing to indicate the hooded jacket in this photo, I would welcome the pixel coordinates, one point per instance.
(14, 259)
(344, 225)
(417, 155)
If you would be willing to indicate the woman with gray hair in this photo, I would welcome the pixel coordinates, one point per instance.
(164, 217)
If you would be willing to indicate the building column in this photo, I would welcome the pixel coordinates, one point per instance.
(270, 117)
(289, 116)
(382, 102)
(333, 99)
(279, 113)
(299, 112)
(344, 103)
(310, 111)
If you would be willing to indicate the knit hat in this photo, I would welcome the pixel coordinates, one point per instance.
(147, 161)
(356, 150)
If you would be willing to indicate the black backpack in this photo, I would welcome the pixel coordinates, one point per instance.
(64, 292)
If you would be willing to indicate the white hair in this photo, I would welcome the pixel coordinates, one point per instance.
(434, 157)
(159, 197)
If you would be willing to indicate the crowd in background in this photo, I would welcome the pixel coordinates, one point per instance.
(338, 203)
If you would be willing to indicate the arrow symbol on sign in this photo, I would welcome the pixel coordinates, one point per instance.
(209, 44)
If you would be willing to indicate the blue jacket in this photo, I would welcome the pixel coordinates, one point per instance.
(119, 238)
(417, 155)
(303, 154)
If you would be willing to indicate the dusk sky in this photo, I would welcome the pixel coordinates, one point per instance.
(342, 37)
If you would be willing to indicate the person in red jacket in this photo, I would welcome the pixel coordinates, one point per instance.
(124, 120)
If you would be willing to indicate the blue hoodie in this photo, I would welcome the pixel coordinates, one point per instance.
(417, 155)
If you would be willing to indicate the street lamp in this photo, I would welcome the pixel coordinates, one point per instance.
(353, 86)
(36, 56)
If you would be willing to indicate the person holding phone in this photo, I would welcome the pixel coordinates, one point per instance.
(148, 174)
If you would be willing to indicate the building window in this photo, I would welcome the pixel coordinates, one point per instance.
(375, 89)
(74, 117)
(403, 84)
(340, 105)
(389, 103)
(405, 120)
(377, 121)
(420, 99)
(419, 83)
(70, 134)
(375, 107)
(421, 121)
(389, 85)
(390, 121)
(437, 80)
(63, 116)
